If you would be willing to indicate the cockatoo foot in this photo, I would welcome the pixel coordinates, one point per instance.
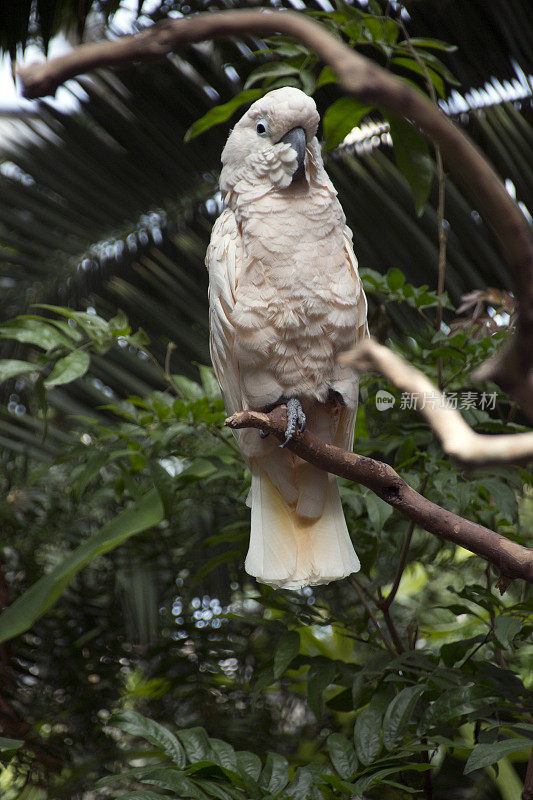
(263, 434)
(295, 419)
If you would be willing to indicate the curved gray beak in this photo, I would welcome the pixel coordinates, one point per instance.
(297, 139)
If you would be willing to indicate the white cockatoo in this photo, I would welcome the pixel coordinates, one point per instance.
(285, 300)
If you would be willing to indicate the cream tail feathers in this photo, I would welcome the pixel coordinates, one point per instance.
(291, 551)
(285, 300)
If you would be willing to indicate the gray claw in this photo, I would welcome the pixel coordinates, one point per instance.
(262, 434)
(295, 419)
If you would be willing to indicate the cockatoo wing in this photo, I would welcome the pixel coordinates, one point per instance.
(224, 260)
(347, 414)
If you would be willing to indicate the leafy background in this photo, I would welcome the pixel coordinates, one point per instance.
(113, 435)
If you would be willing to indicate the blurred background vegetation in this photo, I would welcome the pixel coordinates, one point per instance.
(113, 434)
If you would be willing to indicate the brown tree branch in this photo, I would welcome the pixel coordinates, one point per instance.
(373, 86)
(513, 560)
(457, 438)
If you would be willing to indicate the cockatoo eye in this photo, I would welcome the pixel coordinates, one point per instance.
(262, 127)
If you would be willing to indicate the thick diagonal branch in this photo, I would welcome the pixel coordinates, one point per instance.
(457, 437)
(371, 85)
(513, 560)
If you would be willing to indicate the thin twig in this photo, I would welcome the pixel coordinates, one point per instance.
(386, 602)
(359, 589)
(389, 622)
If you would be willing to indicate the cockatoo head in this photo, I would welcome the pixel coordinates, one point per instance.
(273, 141)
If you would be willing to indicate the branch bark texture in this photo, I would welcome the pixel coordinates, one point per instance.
(370, 84)
(513, 560)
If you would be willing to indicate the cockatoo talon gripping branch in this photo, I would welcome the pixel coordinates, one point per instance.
(285, 300)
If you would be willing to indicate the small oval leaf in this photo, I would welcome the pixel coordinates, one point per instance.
(219, 114)
(342, 755)
(9, 367)
(340, 118)
(412, 157)
(398, 714)
(486, 754)
(69, 368)
(287, 649)
(367, 735)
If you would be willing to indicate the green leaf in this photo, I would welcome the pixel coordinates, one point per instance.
(413, 160)
(213, 789)
(249, 763)
(213, 563)
(414, 66)
(320, 677)
(504, 497)
(196, 744)
(29, 330)
(395, 279)
(287, 649)
(505, 629)
(265, 679)
(300, 786)
(378, 511)
(209, 382)
(221, 113)
(69, 368)
(454, 703)
(391, 31)
(340, 118)
(486, 754)
(143, 794)
(398, 715)
(275, 773)
(367, 781)
(342, 755)
(200, 468)
(173, 780)
(433, 44)
(224, 753)
(7, 745)
(21, 615)
(119, 324)
(357, 689)
(188, 388)
(327, 75)
(275, 69)
(92, 468)
(137, 725)
(367, 735)
(9, 367)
